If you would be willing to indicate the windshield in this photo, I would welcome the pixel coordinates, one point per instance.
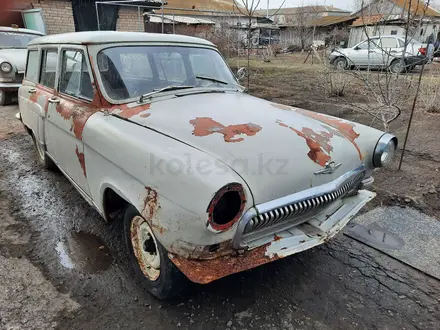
(16, 40)
(130, 72)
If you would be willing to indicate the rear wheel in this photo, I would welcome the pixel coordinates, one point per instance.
(153, 269)
(43, 159)
(398, 66)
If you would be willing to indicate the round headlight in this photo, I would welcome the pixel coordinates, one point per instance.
(385, 150)
(6, 67)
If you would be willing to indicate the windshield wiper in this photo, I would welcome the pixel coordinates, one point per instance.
(165, 89)
(212, 79)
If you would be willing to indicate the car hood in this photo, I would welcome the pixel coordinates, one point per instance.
(17, 57)
(276, 149)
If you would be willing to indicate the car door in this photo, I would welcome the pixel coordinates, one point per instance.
(74, 96)
(389, 49)
(365, 54)
(31, 100)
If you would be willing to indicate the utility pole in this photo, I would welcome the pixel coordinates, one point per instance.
(162, 17)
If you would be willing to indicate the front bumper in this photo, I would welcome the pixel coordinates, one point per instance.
(316, 231)
(10, 86)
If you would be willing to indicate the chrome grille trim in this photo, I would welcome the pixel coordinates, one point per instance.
(294, 206)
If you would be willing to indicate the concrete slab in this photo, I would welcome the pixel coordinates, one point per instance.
(403, 233)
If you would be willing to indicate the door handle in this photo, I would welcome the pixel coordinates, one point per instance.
(54, 100)
(32, 91)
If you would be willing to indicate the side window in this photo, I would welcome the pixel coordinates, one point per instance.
(389, 43)
(32, 66)
(170, 67)
(49, 68)
(75, 78)
(401, 43)
(371, 44)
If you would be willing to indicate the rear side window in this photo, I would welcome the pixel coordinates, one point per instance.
(389, 42)
(75, 78)
(32, 66)
(49, 68)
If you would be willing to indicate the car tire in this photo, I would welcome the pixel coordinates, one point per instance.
(43, 159)
(341, 63)
(161, 278)
(5, 98)
(397, 67)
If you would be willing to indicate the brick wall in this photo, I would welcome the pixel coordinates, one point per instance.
(128, 20)
(57, 15)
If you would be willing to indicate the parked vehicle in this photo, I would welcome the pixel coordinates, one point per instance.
(13, 43)
(212, 180)
(382, 52)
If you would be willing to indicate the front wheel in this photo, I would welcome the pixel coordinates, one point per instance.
(5, 98)
(340, 63)
(153, 269)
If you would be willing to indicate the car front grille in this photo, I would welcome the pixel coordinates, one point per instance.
(304, 208)
(19, 77)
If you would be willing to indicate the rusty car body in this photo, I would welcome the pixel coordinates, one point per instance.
(13, 44)
(213, 181)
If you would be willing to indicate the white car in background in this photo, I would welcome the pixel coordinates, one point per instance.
(382, 52)
(13, 52)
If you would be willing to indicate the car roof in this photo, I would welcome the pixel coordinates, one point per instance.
(105, 37)
(19, 30)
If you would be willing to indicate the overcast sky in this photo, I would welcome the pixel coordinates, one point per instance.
(344, 4)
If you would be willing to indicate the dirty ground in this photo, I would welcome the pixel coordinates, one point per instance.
(62, 267)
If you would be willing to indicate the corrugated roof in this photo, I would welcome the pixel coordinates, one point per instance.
(196, 7)
(417, 7)
(300, 10)
(168, 19)
(331, 20)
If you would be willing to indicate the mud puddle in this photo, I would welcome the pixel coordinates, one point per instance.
(84, 252)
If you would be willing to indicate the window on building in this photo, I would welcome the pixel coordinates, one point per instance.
(75, 78)
(393, 32)
(49, 68)
(32, 66)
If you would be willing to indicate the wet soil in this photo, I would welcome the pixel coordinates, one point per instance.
(342, 285)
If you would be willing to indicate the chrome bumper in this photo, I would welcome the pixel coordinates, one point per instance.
(291, 211)
(10, 85)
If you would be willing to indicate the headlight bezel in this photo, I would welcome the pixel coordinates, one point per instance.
(6, 71)
(386, 144)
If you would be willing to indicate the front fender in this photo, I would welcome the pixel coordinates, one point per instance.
(174, 198)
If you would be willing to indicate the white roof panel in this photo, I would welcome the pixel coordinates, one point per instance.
(106, 37)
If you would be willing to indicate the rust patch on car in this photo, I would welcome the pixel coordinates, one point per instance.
(318, 143)
(230, 187)
(126, 112)
(204, 126)
(151, 204)
(281, 107)
(82, 161)
(79, 115)
(206, 271)
(341, 127)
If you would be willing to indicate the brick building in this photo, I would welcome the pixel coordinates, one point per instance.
(60, 16)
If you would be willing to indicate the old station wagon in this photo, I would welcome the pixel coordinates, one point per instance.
(212, 180)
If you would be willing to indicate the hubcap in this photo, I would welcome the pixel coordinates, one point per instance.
(145, 248)
(340, 65)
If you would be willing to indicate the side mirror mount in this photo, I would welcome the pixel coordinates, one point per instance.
(241, 73)
(356, 48)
